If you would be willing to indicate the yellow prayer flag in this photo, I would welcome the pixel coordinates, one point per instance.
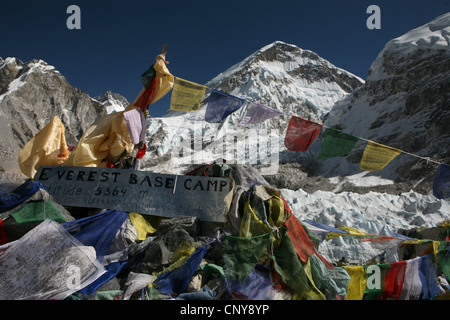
(357, 284)
(348, 231)
(251, 225)
(47, 148)
(145, 226)
(376, 156)
(105, 140)
(186, 95)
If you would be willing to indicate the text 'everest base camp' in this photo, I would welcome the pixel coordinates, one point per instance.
(283, 178)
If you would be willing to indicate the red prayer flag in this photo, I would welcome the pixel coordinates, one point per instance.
(146, 98)
(393, 281)
(3, 237)
(301, 133)
(304, 247)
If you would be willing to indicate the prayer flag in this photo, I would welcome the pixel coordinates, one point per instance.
(300, 134)
(257, 286)
(97, 231)
(336, 144)
(221, 105)
(300, 240)
(242, 254)
(41, 264)
(292, 272)
(441, 184)
(186, 95)
(375, 277)
(3, 236)
(357, 284)
(376, 156)
(258, 113)
(157, 81)
(148, 93)
(47, 148)
(177, 280)
(18, 196)
(393, 281)
(146, 225)
(427, 275)
(331, 282)
(304, 246)
(412, 285)
(136, 124)
(37, 211)
(148, 76)
(444, 257)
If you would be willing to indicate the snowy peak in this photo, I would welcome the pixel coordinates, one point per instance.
(403, 104)
(422, 41)
(113, 102)
(288, 78)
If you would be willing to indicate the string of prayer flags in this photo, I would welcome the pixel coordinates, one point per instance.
(300, 134)
(376, 156)
(336, 144)
(257, 112)
(221, 105)
(186, 95)
(441, 184)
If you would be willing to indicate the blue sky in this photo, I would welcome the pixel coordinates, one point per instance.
(118, 40)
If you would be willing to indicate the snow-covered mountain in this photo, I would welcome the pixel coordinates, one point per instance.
(279, 75)
(113, 102)
(288, 78)
(405, 103)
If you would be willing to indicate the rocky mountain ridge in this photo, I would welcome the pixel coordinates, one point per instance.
(31, 94)
(403, 104)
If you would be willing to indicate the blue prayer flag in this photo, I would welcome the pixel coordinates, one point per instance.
(441, 184)
(177, 280)
(427, 275)
(19, 195)
(97, 231)
(257, 112)
(221, 105)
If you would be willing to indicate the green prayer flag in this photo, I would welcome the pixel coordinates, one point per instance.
(241, 254)
(293, 273)
(37, 212)
(336, 144)
(444, 257)
(375, 281)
